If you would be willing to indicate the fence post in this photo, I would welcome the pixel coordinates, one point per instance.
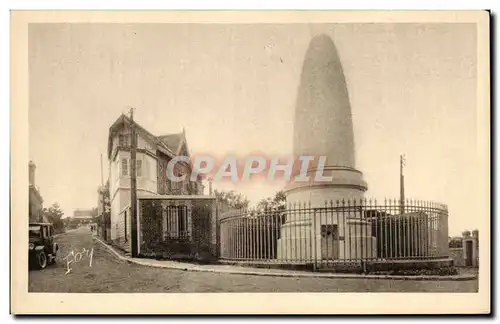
(364, 236)
(313, 244)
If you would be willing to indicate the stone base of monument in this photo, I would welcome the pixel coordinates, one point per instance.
(295, 243)
(346, 184)
(305, 242)
(336, 233)
(360, 244)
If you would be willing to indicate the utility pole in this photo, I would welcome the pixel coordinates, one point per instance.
(133, 185)
(103, 216)
(101, 197)
(402, 163)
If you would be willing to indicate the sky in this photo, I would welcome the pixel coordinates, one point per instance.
(412, 89)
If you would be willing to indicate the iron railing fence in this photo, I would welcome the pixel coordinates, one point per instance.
(340, 231)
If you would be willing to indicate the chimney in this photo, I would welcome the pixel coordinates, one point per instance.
(32, 168)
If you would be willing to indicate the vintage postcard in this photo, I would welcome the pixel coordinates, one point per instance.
(201, 162)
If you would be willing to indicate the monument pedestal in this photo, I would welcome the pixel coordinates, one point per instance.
(332, 234)
(306, 244)
(360, 244)
(296, 243)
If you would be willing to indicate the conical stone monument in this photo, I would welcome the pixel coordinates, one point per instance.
(323, 127)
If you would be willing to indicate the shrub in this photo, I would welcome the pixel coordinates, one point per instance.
(444, 271)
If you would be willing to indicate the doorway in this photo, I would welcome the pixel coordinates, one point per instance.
(468, 253)
(329, 242)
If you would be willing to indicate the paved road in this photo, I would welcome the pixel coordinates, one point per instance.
(108, 274)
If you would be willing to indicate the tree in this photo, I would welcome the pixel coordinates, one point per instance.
(272, 209)
(267, 218)
(232, 199)
(54, 215)
(455, 242)
(276, 203)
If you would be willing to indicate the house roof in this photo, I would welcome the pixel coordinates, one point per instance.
(124, 120)
(172, 141)
(175, 142)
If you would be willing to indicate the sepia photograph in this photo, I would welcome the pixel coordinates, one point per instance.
(173, 154)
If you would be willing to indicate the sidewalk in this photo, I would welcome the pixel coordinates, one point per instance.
(232, 269)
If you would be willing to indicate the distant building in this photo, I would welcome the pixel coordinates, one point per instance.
(35, 198)
(82, 216)
(153, 155)
(464, 250)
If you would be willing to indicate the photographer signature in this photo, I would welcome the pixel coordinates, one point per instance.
(73, 258)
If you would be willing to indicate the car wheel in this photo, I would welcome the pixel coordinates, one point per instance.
(42, 260)
(53, 255)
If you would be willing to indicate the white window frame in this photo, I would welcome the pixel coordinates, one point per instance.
(138, 163)
(124, 169)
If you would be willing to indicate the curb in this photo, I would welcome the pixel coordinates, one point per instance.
(113, 251)
(282, 273)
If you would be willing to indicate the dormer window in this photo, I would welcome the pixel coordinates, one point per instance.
(183, 151)
(123, 140)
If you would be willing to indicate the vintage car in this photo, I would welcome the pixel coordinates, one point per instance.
(42, 248)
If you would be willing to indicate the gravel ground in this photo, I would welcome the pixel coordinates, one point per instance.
(107, 274)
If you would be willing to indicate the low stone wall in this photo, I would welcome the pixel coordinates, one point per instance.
(457, 254)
